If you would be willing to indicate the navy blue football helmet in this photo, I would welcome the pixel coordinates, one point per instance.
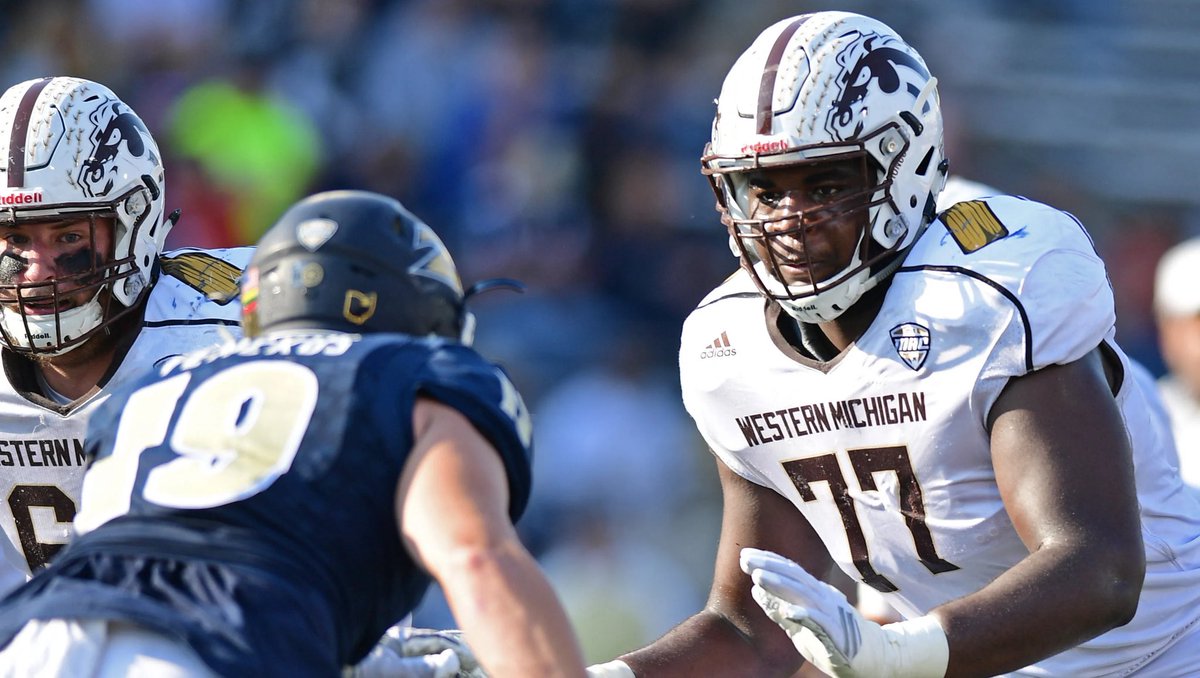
(354, 261)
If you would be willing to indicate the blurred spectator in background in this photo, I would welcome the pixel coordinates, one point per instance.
(621, 497)
(1133, 249)
(1177, 311)
(261, 151)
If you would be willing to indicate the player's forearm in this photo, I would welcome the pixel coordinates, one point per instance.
(708, 644)
(510, 614)
(1003, 627)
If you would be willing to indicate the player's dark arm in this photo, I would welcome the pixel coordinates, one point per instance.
(1065, 471)
(731, 636)
(452, 505)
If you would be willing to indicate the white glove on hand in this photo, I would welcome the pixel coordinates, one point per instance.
(383, 663)
(406, 652)
(832, 635)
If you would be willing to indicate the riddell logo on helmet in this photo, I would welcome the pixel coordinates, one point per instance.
(766, 146)
(21, 197)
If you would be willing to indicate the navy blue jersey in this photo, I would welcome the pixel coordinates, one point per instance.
(243, 498)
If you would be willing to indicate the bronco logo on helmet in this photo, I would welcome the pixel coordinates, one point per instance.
(871, 63)
(114, 125)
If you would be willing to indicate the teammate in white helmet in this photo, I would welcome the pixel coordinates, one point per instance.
(932, 400)
(87, 296)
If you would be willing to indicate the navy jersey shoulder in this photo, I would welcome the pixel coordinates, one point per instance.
(270, 465)
(364, 383)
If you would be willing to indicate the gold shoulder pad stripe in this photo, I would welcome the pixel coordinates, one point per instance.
(213, 277)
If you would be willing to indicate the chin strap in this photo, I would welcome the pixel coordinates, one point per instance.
(46, 333)
(494, 284)
(467, 335)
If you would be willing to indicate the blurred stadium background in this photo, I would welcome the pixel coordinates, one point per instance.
(557, 141)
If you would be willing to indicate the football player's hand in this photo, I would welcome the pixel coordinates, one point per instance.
(832, 635)
(383, 663)
(406, 652)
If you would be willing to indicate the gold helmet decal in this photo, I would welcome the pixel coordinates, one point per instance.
(358, 307)
(433, 259)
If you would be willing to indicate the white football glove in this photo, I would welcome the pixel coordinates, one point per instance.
(832, 635)
(406, 652)
(383, 663)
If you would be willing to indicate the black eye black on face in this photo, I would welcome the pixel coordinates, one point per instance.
(79, 261)
(11, 266)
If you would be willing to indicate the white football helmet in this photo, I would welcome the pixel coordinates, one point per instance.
(75, 150)
(819, 87)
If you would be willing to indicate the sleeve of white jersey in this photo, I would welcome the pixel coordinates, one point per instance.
(1020, 281)
(1066, 297)
(699, 401)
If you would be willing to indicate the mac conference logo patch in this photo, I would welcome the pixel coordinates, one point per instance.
(912, 343)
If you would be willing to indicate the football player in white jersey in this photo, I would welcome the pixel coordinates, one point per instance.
(934, 402)
(88, 297)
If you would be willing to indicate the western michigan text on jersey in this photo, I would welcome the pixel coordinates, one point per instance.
(802, 420)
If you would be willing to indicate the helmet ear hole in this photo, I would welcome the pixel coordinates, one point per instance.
(923, 167)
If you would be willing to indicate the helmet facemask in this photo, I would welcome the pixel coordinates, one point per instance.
(89, 268)
(766, 243)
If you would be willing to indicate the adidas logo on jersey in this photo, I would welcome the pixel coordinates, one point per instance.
(719, 348)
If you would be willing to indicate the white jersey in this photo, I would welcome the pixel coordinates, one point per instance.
(884, 449)
(193, 304)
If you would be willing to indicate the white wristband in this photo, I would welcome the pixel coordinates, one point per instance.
(918, 648)
(613, 669)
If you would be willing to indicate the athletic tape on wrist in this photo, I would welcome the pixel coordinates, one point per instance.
(921, 648)
(613, 669)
